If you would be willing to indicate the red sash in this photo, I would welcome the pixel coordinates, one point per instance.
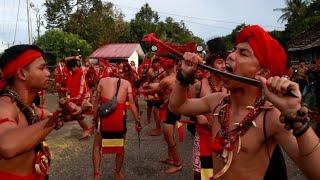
(113, 122)
(112, 129)
(10, 176)
(205, 152)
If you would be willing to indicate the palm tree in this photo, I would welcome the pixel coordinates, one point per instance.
(293, 10)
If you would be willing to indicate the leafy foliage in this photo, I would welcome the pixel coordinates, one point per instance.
(58, 44)
(99, 23)
(299, 15)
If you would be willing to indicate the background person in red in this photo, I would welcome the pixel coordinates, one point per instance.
(78, 94)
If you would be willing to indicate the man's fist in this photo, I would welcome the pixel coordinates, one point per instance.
(190, 63)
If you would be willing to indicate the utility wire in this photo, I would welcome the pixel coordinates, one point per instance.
(193, 17)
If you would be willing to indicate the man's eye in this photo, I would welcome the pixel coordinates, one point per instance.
(244, 53)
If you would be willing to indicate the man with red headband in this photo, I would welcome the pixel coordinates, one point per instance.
(23, 126)
(78, 97)
(169, 119)
(249, 114)
(61, 74)
(155, 74)
(130, 75)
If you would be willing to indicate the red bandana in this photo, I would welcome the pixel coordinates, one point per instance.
(268, 51)
(166, 63)
(21, 61)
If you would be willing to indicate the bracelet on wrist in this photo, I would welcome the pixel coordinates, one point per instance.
(183, 80)
(298, 121)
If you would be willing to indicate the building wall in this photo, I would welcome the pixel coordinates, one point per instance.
(135, 58)
(308, 55)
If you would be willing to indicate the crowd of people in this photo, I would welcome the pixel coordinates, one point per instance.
(237, 128)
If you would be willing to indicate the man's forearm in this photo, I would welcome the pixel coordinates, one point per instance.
(134, 111)
(19, 140)
(309, 152)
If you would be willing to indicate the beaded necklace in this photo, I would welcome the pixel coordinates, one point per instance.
(213, 86)
(29, 113)
(225, 141)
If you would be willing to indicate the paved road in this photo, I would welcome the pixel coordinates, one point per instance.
(71, 158)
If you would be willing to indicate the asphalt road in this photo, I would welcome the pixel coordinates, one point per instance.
(71, 158)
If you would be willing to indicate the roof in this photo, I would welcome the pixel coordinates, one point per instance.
(118, 51)
(310, 38)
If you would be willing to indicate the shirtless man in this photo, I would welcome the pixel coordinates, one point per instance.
(212, 84)
(23, 126)
(153, 100)
(112, 128)
(164, 88)
(239, 147)
(78, 95)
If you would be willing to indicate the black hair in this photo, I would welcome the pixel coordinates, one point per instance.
(211, 58)
(155, 60)
(217, 50)
(14, 51)
(71, 63)
(126, 67)
(217, 46)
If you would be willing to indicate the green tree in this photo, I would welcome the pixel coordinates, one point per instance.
(293, 10)
(147, 21)
(93, 20)
(230, 38)
(60, 44)
(300, 15)
(57, 13)
(146, 14)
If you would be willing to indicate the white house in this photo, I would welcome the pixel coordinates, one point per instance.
(119, 52)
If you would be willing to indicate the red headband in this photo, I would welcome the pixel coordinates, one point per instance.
(26, 58)
(166, 63)
(268, 51)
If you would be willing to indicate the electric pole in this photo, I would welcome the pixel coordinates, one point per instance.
(29, 22)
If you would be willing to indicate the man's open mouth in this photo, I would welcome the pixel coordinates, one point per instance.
(229, 68)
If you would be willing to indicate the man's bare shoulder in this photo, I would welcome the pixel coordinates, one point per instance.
(105, 79)
(125, 82)
(10, 110)
(214, 99)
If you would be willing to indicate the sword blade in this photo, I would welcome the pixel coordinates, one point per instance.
(242, 79)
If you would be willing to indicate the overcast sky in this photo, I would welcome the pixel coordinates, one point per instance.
(205, 18)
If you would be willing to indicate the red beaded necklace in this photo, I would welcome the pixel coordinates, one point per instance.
(227, 138)
(213, 85)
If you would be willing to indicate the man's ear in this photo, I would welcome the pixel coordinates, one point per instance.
(22, 74)
(264, 73)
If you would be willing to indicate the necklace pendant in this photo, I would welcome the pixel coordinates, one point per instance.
(224, 154)
(250, 107)
(228, 162)
(254, 123)
(239, 145)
